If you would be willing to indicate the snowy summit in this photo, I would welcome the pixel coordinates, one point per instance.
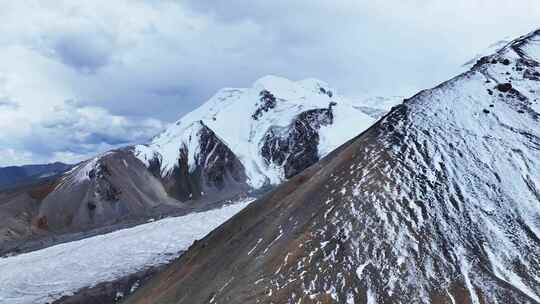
(244, 118)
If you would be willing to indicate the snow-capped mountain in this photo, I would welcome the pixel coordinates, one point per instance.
(438, 202)
(274, 129)
(241, 140)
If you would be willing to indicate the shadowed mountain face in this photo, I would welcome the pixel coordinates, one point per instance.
(439, 202)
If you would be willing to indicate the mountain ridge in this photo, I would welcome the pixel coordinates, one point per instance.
(436, 203)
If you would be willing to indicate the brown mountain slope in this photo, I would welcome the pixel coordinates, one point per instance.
(439, 202)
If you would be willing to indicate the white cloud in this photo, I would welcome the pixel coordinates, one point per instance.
(125, 61)
(9, 157)
(68, 132)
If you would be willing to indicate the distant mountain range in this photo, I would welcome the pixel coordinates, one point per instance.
(14, 176)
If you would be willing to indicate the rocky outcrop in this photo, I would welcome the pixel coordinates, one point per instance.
(217, 172)
(295, 147)
(267, 101)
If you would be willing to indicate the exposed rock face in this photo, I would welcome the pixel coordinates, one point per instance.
(504, 87)
(267, 102)
(531, 75)
(436, 203)
(295, 147)
(216, 170)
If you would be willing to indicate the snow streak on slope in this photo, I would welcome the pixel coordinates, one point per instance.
(240, 120)
(46, 275)
(81, 172)
(449, 208)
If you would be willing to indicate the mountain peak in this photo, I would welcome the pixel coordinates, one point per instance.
(271, 82)
(286, 87)
(244, 118)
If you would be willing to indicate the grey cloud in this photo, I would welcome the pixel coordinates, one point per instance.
(95, 138)
(170, 90)
(382, 47)
(85, 130)
(83, 53)
(7, 103)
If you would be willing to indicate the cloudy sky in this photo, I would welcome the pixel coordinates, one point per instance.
(81, 77)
